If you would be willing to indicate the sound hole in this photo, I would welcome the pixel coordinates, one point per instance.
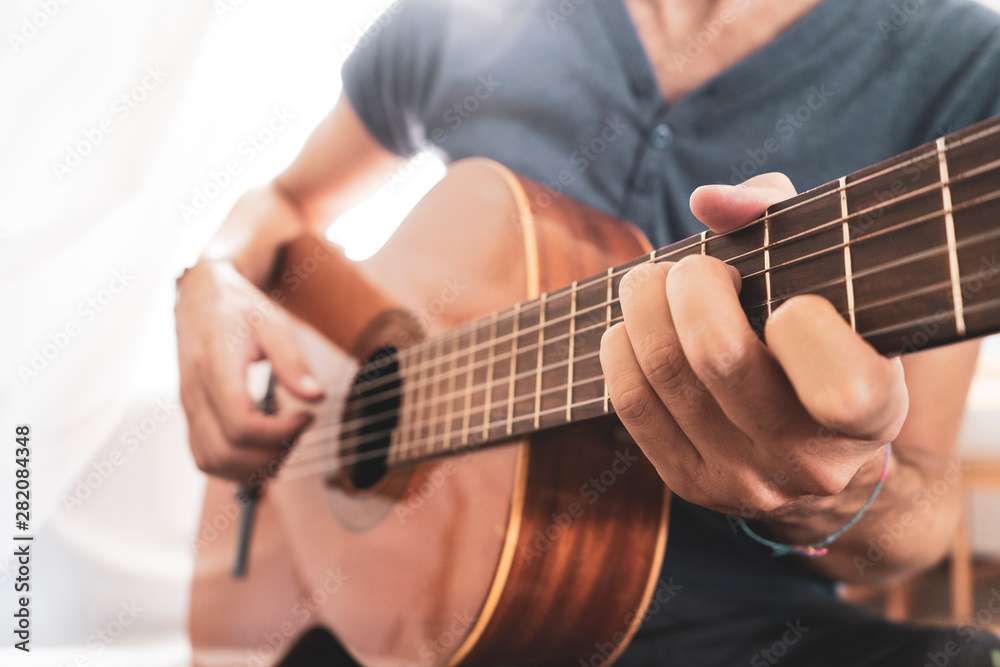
(372, 414)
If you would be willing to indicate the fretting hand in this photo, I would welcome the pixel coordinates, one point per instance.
(732, 423)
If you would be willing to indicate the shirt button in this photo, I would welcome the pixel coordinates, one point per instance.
(662, 136)
(644, 183)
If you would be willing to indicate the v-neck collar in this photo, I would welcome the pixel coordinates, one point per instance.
(731, 82)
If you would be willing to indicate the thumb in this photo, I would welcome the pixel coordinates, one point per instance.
(727, 207)
(280, 346)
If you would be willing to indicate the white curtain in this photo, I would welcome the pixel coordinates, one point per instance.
(119, 119)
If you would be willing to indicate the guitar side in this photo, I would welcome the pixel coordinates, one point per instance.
(505, 555)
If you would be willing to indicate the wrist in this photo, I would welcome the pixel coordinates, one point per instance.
(810, 527)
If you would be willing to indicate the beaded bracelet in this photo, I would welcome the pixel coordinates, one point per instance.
(819, 548)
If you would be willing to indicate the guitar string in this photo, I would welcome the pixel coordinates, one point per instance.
(884, 204)
(328, 464)
(433, 436)
(931, 154)
(433, 383)
(600, 281)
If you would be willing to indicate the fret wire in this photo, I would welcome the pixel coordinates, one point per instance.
(914, 257)
(607, 396)
(450, 407)
(704, 239)
(949, 226)
(541, 349)
(418, 388)
(469, 389)
(489, 378)
(433, 401)
(767, 261)
(848, 275)
(974, 171)
(513, 370)
(572, 351)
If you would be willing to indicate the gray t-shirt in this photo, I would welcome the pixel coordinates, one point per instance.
(561, 91)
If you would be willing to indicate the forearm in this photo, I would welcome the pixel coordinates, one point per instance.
(263, 219)
(339, 166)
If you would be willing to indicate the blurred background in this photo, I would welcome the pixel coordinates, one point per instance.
(120, 126)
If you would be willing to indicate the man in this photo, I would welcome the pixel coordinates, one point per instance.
(628, 105)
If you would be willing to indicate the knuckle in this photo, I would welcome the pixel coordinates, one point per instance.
(718, 357)
(237, 432)
(762, 497)
(825, 481)
(664, 364)
(632, 402)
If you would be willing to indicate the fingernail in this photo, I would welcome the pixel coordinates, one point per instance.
(310, 384)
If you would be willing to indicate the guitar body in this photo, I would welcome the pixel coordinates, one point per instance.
(540, 550)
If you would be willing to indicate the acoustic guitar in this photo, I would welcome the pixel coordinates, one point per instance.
(465, 495)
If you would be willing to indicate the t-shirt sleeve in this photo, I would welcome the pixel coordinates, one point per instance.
(973, 93)
(391, 70)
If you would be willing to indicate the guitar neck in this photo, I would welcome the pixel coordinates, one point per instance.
(905, 250)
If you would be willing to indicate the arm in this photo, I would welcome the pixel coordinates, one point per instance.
(792, 432)
(339, 165)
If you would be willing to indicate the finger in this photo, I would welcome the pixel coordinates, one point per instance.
(215, 455)
(727, 356)
(659, 354)
(224, 385)
(727, 207)
(646, 418)
(839, 378)
(278, 343)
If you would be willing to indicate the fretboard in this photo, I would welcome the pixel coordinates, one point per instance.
(905, 250)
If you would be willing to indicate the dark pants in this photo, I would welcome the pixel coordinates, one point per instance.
(704, 629)
(709, 629)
